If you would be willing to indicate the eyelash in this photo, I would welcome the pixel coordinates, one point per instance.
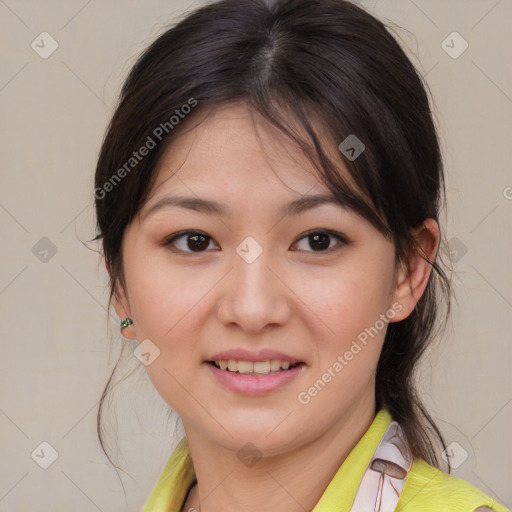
(342, 240)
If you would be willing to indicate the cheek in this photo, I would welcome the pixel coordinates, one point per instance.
(348, 352)
(348, 298)
(161, 294)
(170, 304)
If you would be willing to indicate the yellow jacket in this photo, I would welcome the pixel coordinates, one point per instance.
(426, 489)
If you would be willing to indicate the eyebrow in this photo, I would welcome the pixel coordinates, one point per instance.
(211, 207)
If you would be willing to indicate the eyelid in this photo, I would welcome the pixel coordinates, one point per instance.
(340, 236)
(342, 239)
(171, 238)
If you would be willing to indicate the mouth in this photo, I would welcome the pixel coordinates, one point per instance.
(257, 368)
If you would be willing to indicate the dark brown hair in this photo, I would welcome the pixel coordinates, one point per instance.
(317, 63)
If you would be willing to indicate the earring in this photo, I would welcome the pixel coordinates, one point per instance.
(125, 323)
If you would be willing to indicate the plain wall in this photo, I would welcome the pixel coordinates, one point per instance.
(55, 342)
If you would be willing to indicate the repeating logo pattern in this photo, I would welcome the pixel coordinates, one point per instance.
(45, 209)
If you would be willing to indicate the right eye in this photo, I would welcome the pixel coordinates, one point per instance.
(195, 241)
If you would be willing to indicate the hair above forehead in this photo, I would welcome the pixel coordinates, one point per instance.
(329, 58)
(286, 140)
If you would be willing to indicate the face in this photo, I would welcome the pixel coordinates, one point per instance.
(313, 287)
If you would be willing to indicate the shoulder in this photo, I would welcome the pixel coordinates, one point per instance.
(428, 489)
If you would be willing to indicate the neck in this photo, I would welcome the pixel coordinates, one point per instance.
(290, 482)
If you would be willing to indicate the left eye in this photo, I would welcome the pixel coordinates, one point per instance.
(197, 242)
(320, 240)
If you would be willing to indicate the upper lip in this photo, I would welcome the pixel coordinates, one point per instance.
(240, 354)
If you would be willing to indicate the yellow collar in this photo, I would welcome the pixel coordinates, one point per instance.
(427, 488)
(178, 475)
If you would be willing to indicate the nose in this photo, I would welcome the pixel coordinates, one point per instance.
(254, 295)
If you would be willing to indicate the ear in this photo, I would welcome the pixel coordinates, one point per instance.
(122, 306)
(413, 275)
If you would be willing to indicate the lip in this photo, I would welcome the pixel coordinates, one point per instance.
(254, 384)
(240, 354)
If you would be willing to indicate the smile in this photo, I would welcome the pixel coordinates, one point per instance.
(253, 368)
(254, 378)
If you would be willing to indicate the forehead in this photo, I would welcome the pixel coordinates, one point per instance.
(233, 149)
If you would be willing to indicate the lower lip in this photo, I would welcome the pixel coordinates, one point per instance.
(254, 384)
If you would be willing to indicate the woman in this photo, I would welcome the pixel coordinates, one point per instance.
(268, 195)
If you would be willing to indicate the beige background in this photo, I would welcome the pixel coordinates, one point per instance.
(55, 342)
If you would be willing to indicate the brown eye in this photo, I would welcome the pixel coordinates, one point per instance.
(197, 242)
(320, 241)
(190, 241)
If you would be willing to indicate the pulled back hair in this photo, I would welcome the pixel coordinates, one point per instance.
(305, 63)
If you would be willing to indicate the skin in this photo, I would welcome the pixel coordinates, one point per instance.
(307, 303)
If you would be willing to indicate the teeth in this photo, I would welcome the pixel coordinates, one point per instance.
(275, 364)
(259, 367)
(243, 366)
